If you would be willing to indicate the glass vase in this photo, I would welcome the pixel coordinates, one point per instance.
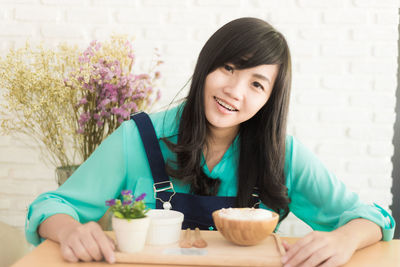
(64, 172)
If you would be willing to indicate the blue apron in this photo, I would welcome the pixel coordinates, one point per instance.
(197, 209)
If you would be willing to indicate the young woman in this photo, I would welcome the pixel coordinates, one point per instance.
(224, 146)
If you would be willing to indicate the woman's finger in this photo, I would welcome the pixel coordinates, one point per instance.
(68, 254)
(295, 248)
(305, 253)
(332, 262)
(285, 245)
(91, 246)
(318, 257)
(106, 245)
(80, 251)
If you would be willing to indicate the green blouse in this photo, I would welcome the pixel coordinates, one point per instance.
(317, 196)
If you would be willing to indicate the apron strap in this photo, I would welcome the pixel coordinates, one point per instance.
(151, 146)
(156, 161)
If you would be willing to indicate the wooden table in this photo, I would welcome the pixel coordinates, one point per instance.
(382, 254)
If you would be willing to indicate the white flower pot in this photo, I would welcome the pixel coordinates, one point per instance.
(131, 234)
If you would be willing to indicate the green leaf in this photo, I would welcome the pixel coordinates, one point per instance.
(119, 215)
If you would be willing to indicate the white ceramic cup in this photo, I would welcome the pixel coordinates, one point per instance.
(165, 226)
(131, 235)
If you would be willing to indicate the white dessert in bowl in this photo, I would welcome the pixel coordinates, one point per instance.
(245, 226)
(165, 226)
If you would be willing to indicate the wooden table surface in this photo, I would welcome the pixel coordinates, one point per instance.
(381, 254)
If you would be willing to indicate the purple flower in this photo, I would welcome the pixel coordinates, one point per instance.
(84, 118)
(138, 96)
(158, 95)
(117, 68)
(122, 81)
(134, 107)
(149, 90)
(104, 114)
(88, 53)
(109, 75)
(143, 76)
(109, 86)
(83, 101)
(104, 102)
(124, 114)
(83, 59)
(126, 192)
(128, 44)
(110, 202)
(141, 197)
(95, 44)
(127, 202)
(116, 110)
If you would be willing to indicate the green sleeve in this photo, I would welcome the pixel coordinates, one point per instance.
(323, 201)
(83, 195)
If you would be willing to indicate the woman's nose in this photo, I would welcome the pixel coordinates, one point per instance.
(235, 88)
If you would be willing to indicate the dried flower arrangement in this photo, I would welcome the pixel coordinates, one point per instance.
(69, 101)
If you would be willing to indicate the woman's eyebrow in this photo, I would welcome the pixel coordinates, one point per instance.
(262, 77)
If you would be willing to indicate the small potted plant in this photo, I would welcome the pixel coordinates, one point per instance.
(129, 221)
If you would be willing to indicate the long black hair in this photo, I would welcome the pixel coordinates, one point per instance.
(245, 43)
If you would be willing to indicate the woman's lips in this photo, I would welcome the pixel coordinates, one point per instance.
(222, 108)
(225, 105)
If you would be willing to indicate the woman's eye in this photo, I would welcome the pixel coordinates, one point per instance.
(258, 85)
(228, 68)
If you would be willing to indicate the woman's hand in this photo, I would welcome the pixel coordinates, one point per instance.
(332, 248)
(319, 249)
(86, 242)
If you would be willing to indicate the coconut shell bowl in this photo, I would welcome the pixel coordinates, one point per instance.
(245, 226)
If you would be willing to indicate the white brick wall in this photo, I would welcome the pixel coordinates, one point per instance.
(344, 81)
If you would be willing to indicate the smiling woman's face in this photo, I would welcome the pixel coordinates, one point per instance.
(233, 96)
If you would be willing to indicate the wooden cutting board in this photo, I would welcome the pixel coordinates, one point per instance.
(219, 252)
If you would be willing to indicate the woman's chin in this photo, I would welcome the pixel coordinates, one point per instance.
(222, 124)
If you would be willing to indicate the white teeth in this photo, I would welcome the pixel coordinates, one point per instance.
(225, 105)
